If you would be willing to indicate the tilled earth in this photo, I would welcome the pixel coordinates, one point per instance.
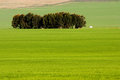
(27, 3)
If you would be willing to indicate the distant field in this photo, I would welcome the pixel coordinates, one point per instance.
(98, 14)
(87, 54)
(11, 4)
(62, 54)
(27, 3)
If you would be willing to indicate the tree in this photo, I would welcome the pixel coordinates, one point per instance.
(56, 20)
(74, 19)
(37, 21)
(49, 21)
(67, 20)
(23, 24)
(28, 20)
(16, 21)
(45, 21)
(80, 21)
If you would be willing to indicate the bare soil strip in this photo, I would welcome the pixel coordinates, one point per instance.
(27, 3)
(94, 0)
(33, 3)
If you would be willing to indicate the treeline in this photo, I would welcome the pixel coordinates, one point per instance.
(56, 20)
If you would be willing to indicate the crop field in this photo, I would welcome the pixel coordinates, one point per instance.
(62, 54)
(98, 14)
(87, 54)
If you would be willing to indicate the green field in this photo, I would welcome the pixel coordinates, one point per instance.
(63, 54)
(98, 14)
(87, 54)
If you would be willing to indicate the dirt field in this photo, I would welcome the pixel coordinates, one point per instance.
(27, 3)
(95, 0)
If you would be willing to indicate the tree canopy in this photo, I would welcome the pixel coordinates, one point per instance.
(52, 20)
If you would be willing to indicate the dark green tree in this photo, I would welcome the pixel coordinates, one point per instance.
(16, 21)
(58, 20)
(28, 20)
(44, 21)
(67, 20)
(49, 21)
(74, 19)
(23, 24)
(80, 21)
(37, 22)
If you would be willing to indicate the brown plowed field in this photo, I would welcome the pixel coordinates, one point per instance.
(27, 3)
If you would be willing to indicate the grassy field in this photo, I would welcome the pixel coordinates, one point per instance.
(98, 14)
(63, 54)
(87, 54)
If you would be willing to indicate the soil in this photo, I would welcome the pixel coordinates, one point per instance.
(27, 3)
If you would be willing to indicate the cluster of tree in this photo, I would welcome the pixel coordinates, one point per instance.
(56, 20)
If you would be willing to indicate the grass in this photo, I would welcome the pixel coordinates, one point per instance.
(62, 54)
(86, 54)
(98, 14)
